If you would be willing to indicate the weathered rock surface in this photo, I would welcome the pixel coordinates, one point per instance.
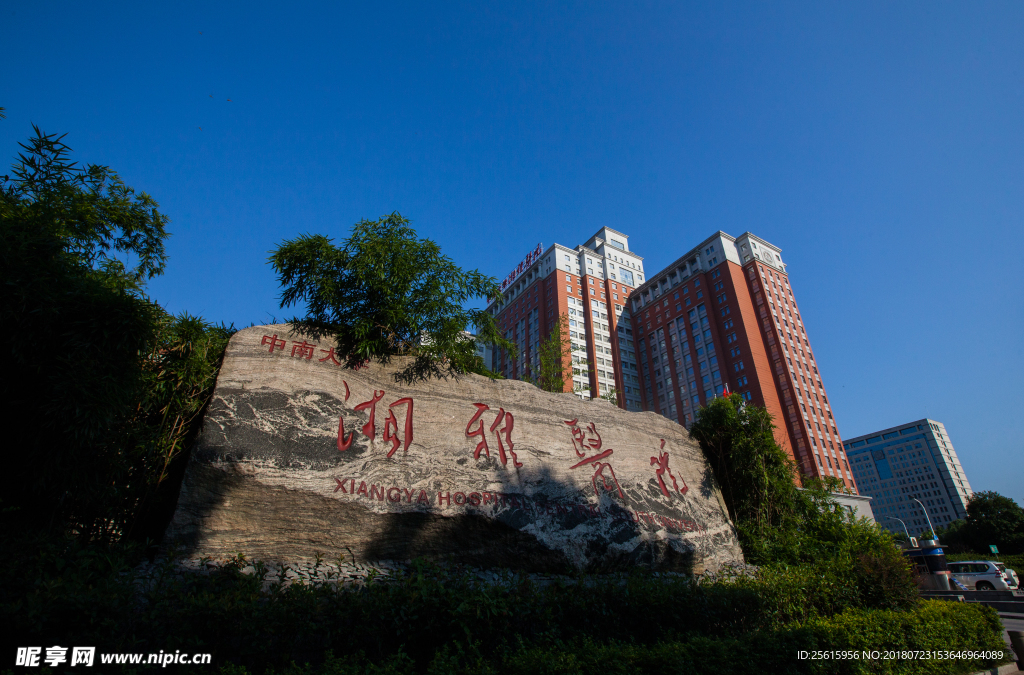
(298, 455)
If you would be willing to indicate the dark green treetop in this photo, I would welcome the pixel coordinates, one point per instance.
(756, 475)
(992, 519)
(383, 293)
(780, 524)
(89, 210)
(102, 387)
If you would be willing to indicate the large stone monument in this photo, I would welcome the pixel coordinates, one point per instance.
(298, 455)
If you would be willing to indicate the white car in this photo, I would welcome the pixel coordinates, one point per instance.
(981, 575)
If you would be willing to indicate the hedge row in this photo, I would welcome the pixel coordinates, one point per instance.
(88, 597)
(1014, 562)
(870, 638)
(437, 616)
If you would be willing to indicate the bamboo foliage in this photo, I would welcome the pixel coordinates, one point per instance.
(103, 386)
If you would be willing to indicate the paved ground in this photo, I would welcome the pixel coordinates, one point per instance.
(1011, 622)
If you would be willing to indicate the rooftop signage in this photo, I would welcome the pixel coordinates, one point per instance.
(530, 258)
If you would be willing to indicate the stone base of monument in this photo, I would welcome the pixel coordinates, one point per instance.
(298, 455)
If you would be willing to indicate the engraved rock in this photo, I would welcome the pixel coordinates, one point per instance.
(298, 455)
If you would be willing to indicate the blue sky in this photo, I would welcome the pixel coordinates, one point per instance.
(878, 144)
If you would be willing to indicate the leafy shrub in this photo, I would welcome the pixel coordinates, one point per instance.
(755, 475)
(86, 595)
(930, 626)
(102, 387)
(991, 519)
(779, 524)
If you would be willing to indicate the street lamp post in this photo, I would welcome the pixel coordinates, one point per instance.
(927, 517)
(904, 526)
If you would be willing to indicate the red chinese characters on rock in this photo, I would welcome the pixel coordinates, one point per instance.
(390, 423)
(391, 426)
(370, 428)
(274, 342)
(506, 431)
(585, 440)
(331, 356)
(661, 461)
(306, 350)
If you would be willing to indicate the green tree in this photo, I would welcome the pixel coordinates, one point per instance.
(756, 475)
(554, 357)
(992, 519)
(780, 524)
(581, 366)
(385, 293)
(96, 374)
(82, 322)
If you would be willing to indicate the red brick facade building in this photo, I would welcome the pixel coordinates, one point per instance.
(590, 284)
(725, 314)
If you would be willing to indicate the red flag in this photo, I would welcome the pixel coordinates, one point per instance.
(725, 390)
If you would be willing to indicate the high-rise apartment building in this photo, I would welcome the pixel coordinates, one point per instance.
(725, 314)
(915, 460)
(590, 283)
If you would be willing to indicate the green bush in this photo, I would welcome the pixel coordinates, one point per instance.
(101, 387)
(870, 639)
(930, 626)
(1014, 562)
(781, 525)
(86, 595)
(992, 519)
